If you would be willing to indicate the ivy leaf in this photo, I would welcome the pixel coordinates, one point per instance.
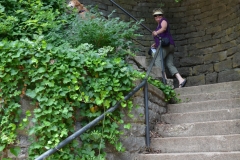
(107, 103)
(127, 126)
(99, 101)
(123, 104)
(2, 8)
(50, 102)
(76, 87)
(39, 89)
(63, 93)
(14, 72)
(130, 115)
(119, 146)
(46, 123)
(2, 147)
(49, 46)
(15, 151)
(31, 131)
(41, 70)
(66, 80)
(99, 69)
(49, 83)
(31, 93)
(34, 60)
(13, 126)
(36, 146)
(44, 44)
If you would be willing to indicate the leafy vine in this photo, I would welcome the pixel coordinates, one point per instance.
(72, 69)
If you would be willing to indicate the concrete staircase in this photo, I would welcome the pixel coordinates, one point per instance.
(204, 126)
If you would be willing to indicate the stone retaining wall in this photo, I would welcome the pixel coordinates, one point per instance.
(206, 33)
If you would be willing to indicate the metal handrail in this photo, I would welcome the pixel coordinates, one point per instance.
(113, 108)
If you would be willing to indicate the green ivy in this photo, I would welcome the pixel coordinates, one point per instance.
(72, 69)
(61, 80)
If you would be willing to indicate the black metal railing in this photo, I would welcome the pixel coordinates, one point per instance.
(142, 84)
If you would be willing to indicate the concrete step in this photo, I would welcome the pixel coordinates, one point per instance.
(192, 156)
(191, 117)
(199, 129)
(216, 143)
(204, 106)
(210, 88)
(209, 96)
(156, 72)
(141, 62)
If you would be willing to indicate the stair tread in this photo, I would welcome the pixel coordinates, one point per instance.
(221, 121)
(191, 103)
(213, 92)
(192, 156)
(194, 153)
(202, 111)
(213, 143)
(201, 116)
(209, 96)
(204, 105)
(225, 127)
(233, 85)
(194, 137)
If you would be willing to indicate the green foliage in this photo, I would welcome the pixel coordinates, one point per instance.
(25, 18)
(101, 32)
(72, 69)
(61, 80)
(166, 89)
(98, 31)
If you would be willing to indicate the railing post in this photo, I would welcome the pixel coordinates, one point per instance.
(147, 131)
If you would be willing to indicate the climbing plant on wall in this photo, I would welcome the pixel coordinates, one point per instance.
(72, 69)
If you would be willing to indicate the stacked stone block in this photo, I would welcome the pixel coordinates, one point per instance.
(206, 33)
(212, 31)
